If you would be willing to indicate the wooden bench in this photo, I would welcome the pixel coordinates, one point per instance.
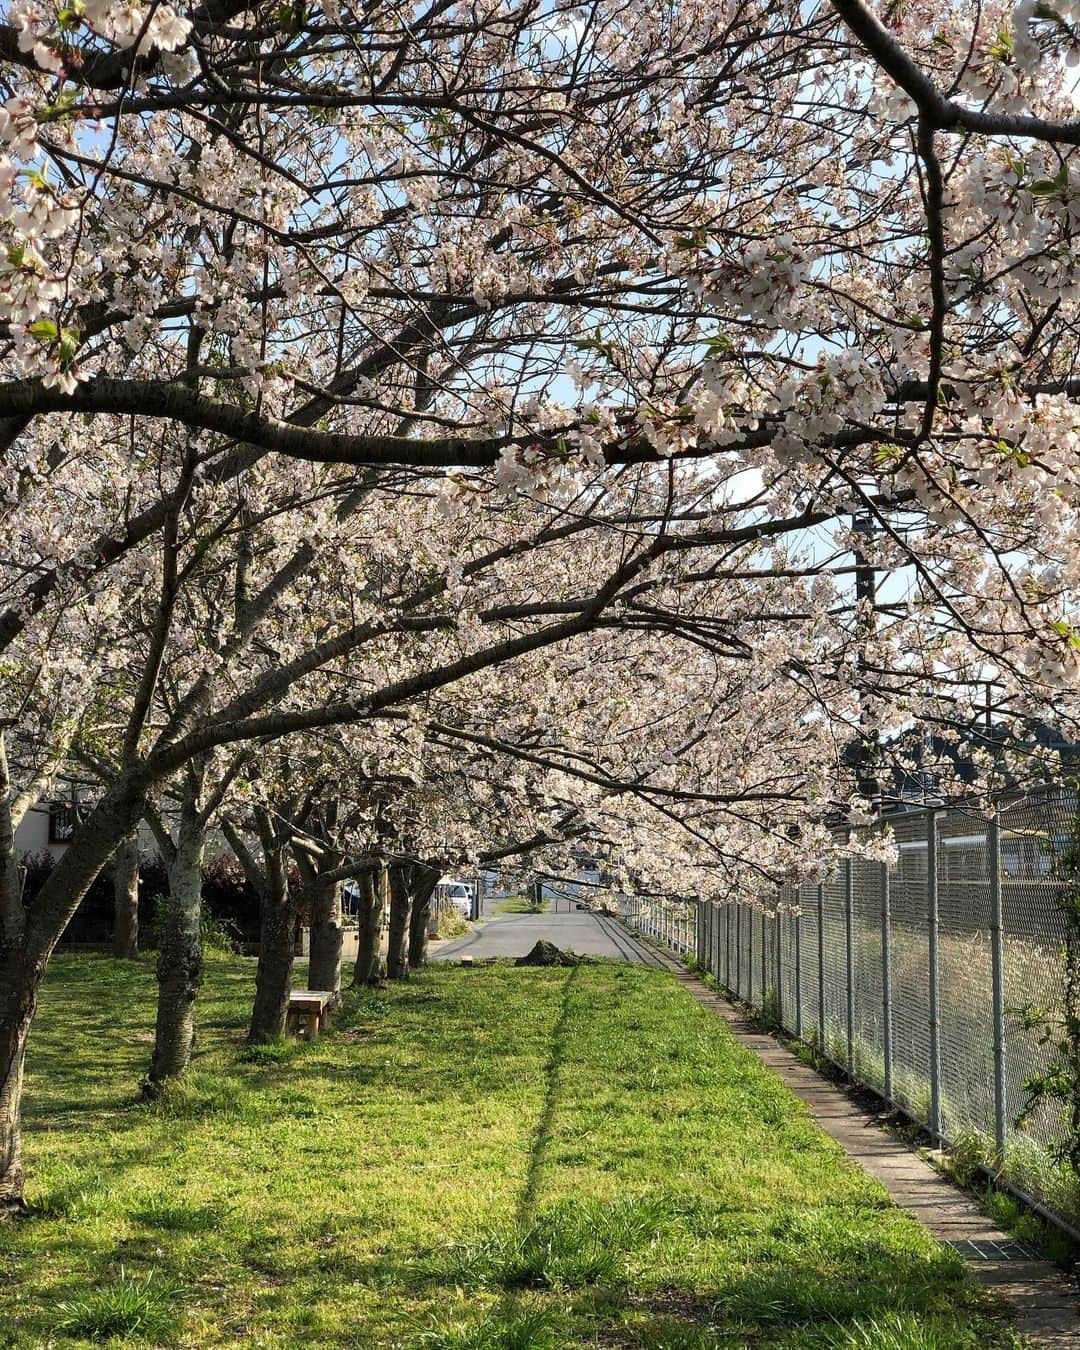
(310, 1007)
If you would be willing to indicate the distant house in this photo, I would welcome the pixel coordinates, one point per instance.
(46, 828)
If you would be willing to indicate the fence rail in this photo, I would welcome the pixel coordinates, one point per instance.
(921, 978)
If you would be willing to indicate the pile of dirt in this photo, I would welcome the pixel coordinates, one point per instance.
(547, 954)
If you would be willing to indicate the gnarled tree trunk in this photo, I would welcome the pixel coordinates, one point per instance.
(180, 961)
(424, 881)
(27, 940)
(369, 913)
(397, 954)
(125, 879)
(277, 942)
(324, 965)
(18, 998)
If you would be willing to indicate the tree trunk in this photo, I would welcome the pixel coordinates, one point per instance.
(369, 914)
(180, 961)
(26, 946)
(125, 878)
(18, 990)
(324, 967)
(397, 961)
(425, 879)
(12, 915)
(277, 941)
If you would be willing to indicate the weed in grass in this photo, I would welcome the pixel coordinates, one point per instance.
(271, 1052)
(140, 1306)
(532, 1330)
(543, 1256)
(570, 1246)
(769, 1015)
(1026, 1226)
(897, 1331)
(966, 1154)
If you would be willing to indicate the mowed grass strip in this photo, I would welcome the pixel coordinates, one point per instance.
(486, 1159)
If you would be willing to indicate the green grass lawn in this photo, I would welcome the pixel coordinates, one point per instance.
(486, 1159)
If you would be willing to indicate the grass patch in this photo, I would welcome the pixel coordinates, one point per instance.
(535, 1330)
(572, 1245)
(520, 904)
(477, 1160)
(142, 1307)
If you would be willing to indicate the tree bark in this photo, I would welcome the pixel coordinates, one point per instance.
(424, 881)
(277, 940)
(180, 961)
(125, 879)
(26, 943)
(324, 964)
(397, 957)
(18, 998)
(12, 915)
(369, 913)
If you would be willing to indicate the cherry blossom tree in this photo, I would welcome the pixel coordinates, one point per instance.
(512, 375)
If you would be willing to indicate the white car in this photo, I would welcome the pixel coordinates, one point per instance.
(456, 893)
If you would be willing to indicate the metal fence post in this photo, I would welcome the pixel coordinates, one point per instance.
(849, 958)
(933, 921)
(798, 964)
(997, 975)
(716, 942)
(778, 939)
(737, 986)
(706, 939)
(764, 957)
(886, 981)
(821, 965)
(727, 945)
(750, 956)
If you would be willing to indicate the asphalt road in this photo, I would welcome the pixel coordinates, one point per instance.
(515, 935)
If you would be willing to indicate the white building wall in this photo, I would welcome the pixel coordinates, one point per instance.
(32, 836)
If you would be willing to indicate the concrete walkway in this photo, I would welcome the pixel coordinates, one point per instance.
(574, 931)
(1046, 1305)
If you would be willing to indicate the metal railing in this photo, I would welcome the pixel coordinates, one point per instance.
(671, 922)
(931, 980)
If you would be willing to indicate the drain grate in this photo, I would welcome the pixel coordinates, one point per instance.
(992, 1251)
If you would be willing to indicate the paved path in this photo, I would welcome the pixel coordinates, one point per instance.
(515, 934)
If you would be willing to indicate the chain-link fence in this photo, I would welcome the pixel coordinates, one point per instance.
(934, 979)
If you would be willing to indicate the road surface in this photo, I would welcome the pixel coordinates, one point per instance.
(576, 931)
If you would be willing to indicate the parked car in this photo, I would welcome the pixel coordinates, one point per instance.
(456, 893)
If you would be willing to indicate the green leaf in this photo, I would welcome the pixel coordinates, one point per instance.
(70, 341)
(44, 330)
